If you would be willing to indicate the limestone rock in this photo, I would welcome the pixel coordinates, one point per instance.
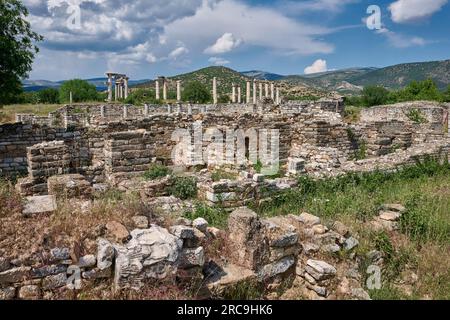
(182, 232)
(55, 281)
(246, 239)
(87, 261)
(140, 222)
(309, 219)
(97, 274)
(192, 258)
(393, 207)
(351, 243)
(341, 228)
(390, 215)
(320, 270)
(39, 204)
(30, 292)
(59, 254)
(4, 264)
(117, 231)
(69, 185)
(150, 254)
(7, 293)
(105, 254)
(15, 275)
(229, 277)
(201, 224)
(276, 268)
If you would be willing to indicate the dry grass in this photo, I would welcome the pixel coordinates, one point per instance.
(7, 113)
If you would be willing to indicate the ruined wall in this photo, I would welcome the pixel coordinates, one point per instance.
(15, 138)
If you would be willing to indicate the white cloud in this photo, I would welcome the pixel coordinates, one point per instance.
(255, 26)
(218, 61)
(399, 40)
(299, 7)
(178, 52)
(412, 10)
(318, 66)
(224, 44)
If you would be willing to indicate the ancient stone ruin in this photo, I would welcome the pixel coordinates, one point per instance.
(80, 149)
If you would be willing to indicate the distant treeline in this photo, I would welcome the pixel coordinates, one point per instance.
(416, 90)
(82, 91)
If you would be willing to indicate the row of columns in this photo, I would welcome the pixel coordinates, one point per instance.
(270, 91)
(236, 95)
(120, 82)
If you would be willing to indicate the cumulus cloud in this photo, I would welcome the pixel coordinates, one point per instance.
(399, 40)
(255, 26)
(176, 53)
(403, 11)
(224, 44)
(218, 61)
(318, 66)
(299, 7)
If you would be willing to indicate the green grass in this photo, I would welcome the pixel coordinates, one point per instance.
(216, 216)
(156, 171)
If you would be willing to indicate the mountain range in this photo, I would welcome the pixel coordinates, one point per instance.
(345, 81)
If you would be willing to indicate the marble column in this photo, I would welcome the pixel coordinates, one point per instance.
(116, 91)
(102, 111)
(126, 87)
(169, 109)
(260, 91)
(272, 91)
(215, 90)
(247, 96)
(164, 89)
(233, 93)
(109, 87)
(178, 90)
(189, 109)
(254, 91)
(266, 90)
(278, 96)
(157, 89)
(239, 98)
(146, 110)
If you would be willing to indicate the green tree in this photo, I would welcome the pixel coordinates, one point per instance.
(195, 92)
(81, 90)
(224, 99)
(446, 94)
(141, 96)
(374, 95)
(17, 48)
(49, 95)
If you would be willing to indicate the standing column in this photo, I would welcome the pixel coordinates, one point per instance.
(178, 90)
(266, 90)
(239, 94)
(272, 91)
(260, 91)
(109, 87)
(145, 110)
(233, 93)
(215, 90)
(157, 89)
(116, 90)
(254, 91)
(102, 111)
(278, 96)
(126, 87)
(125, 112)
(121, 90)
(247, 97)
(164, 89)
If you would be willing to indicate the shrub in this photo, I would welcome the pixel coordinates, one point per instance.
(220, 174)
(374, 96)
(196, 92)
(156, 171)
(183, 187)
(416, 116)
(49, 95)
(82, 91)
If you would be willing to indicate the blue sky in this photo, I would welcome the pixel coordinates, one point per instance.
(86, 38)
